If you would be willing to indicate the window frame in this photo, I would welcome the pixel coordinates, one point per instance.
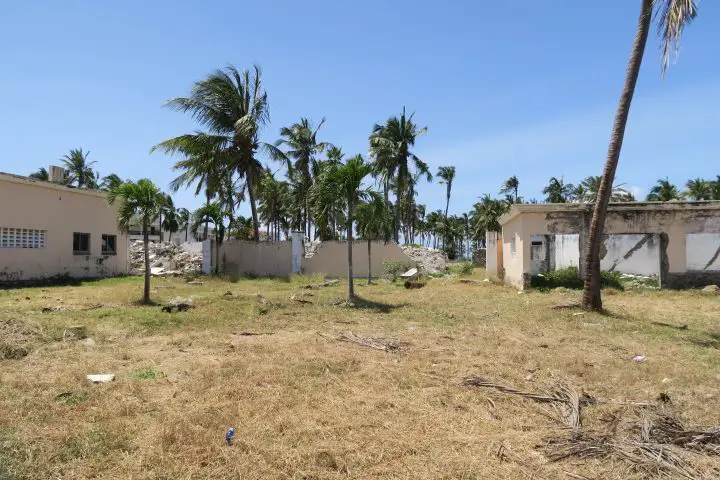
(81, 252)
(104, 242)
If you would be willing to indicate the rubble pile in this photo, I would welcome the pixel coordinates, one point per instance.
(311, 248)
(166, 258)
(431, 261)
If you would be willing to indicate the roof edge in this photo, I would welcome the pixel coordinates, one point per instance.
(19, 179)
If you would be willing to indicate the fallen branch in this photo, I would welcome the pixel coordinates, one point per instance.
(481, 382)
(386, 345)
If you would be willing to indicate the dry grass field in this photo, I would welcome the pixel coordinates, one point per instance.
(306, 405)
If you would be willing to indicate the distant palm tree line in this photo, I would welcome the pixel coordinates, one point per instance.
(295, 203)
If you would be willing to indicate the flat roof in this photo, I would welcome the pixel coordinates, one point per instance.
(9, 177)
(520, 208)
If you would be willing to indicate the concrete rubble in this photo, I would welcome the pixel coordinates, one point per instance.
(166, 258)
(431, 261)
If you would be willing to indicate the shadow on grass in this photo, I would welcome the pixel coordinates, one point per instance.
(711, 340)
(362, 303)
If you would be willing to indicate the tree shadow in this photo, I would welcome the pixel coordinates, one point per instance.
(365, 304)
(711, 340)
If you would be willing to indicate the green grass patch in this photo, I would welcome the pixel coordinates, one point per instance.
(570, 278)
(71, 398)
(149, 373)
(462, 269)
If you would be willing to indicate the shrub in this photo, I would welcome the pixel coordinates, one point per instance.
(461, 269)
(393, 268)
(570, 278)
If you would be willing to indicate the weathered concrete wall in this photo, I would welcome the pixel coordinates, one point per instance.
(239, 258)
(516, 253)
(60, 211)
(635, 253)
(670, 222)
(703, 251)
(331, 258)
(567, 251)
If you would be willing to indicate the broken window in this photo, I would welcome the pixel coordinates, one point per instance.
(513, 249)
(81, 243)
(109, 244)
(22, 238)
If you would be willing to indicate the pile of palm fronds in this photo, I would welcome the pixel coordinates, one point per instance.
(656, 442)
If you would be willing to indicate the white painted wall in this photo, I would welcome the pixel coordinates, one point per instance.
(700, 248)
(567, 251)
(644, 261)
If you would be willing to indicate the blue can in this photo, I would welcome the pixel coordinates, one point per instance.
(229, 435)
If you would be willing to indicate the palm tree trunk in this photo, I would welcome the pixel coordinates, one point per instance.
(253, 207)
(351, 287)
(146, 244)
(186, 232)
(591, 293)
(160, 232)
(369, 262)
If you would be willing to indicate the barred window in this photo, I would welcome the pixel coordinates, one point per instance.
(81, 243)
(109, 244)
(22, 238)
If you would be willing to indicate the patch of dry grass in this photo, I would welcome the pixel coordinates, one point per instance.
(307, 405)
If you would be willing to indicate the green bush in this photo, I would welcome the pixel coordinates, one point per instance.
(462, 269)
(570, 278)
(393, 268)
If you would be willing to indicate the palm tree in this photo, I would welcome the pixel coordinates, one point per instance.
(557, 191)
(212, 212)
(110, 181)
(344, 180)
(141, 200)
(78, 168)
(447, 175)
(588, 189)
(183, 218)
(664, 191)
(373, 223)
(485, 216)
(699, 189)
(170, 220)
(715, 188)
(167, 210)
(672, 17)
(300, 140)
(233, 106)
(40, 174)
(390, 146)
(510, 187)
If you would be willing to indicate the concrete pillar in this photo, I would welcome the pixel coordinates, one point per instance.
(676, 250)
(298, 252)
(207, 257)
(491, 254)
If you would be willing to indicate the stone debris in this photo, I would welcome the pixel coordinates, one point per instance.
(430, 261)
(711, 289)
(166, 258)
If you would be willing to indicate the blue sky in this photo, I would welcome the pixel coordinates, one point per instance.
(522, 88)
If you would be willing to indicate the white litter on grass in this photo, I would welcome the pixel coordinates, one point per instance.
(639, 358)
(101, 377)
(412, 273)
